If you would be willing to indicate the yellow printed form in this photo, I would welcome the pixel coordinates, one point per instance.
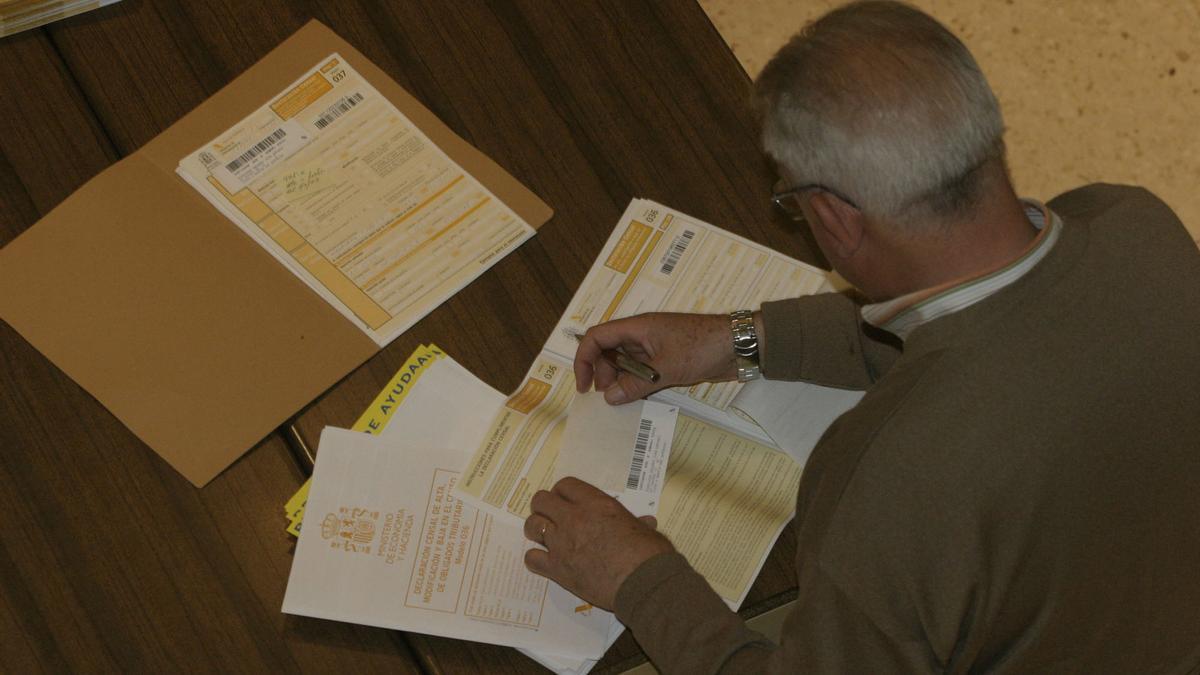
(339, 185)
(519, 451)
(523, 450)
(661, 260)
(657, 259)
(725, 502)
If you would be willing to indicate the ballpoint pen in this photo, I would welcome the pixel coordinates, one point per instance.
(622, 361)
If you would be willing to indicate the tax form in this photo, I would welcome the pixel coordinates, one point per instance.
(530, 445)
(346, 191)
(727, 491)
(657, 259)
(387, 544)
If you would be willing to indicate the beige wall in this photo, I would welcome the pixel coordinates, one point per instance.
(1092, 90)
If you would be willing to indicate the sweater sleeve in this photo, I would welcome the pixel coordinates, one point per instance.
(684, 627)
(679, 620)
(823, 340)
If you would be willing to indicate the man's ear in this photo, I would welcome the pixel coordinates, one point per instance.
(843, 225)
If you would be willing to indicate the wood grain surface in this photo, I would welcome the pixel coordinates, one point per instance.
(109, 560)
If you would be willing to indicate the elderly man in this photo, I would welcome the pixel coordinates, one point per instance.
(1019, 489)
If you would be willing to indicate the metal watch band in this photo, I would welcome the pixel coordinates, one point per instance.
(745, 344)
(747, 369)
(745, 338)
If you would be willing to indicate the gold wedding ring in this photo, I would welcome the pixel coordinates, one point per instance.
(542, 534)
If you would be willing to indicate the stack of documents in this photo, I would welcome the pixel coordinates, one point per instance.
(345, 190)
(384, 523)
(427, 506)
(374, 419)
(19, 15)
(314, 209)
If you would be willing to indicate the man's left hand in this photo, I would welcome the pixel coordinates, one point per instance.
(592, 542)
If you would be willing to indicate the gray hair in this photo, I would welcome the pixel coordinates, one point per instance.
(883, 104)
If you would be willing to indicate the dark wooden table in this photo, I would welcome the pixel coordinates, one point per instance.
(109, 560)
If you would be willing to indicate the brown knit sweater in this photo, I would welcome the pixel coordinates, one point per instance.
(1018, 491)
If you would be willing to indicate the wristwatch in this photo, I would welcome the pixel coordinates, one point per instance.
(745, 344)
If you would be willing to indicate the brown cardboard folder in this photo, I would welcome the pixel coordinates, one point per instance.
(174, 319)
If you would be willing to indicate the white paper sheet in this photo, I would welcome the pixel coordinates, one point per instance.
(622, 450)
(388, 545)
(794, 414)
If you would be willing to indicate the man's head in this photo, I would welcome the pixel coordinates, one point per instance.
(886, 109)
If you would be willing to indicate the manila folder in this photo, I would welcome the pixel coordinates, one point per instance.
(181, 325)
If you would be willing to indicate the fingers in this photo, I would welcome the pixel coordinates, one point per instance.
(573, 490)
(605, 375)
(537, 527)
(649, 520)
(620, 332)
(538, 562)
(589, 362)
(626, 388)
(549, 504)
(587, 358)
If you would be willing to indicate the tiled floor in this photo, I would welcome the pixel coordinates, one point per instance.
(1092, 90)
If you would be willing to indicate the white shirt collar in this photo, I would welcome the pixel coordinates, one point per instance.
(904, 314)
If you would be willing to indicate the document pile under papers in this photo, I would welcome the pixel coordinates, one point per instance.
(428, 514)
(386, 525)
(389, 545)
(374, 419)
(19, 15)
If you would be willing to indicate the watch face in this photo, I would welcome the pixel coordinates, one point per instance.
(745, 341)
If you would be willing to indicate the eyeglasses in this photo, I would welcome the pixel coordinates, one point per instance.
(788, 199)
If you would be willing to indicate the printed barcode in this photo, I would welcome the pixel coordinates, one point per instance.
(254, 151)
(639, 455)
(677, 249)
(338, 110)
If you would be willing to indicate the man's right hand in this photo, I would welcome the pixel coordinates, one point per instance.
(683, 348)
